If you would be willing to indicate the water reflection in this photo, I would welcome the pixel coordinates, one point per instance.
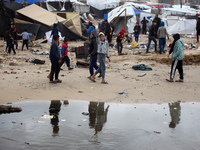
(97, 116)
(54, 110)
(175, 112)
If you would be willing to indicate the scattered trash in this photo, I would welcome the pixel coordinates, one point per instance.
(122, 93)
(40, 72)
(66, 102)
(38, 52)
(37, 61)
(141, 67)
(142, 74)
(40, 122)
(80, 91)
(85, 113)
(9, 109)
(63, 120)
(12, 64)
(27, 86)
(157, 132)
(47, 117)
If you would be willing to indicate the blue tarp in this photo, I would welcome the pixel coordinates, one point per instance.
(137, 11)
(28, 1)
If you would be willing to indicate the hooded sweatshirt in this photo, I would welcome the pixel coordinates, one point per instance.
(103, 46)
(162, 31)
(121, 35)
(93, 44)
(176, 38)
(54, 30)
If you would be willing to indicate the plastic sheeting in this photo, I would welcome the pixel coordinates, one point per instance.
(49, 37)
(182, 26)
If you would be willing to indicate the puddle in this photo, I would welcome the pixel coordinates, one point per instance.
(108, 126)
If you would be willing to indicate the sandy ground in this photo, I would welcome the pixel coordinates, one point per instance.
(30, 81)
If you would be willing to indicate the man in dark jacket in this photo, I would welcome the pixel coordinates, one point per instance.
(158, 20)
(55, 60)
(198, 29)
(7, 38)
(93, 52)
(144, 25)
(152, 33)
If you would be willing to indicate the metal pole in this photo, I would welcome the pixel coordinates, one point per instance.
(181, 3)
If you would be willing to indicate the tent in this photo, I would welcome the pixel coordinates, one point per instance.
(137, 11)
(99, 13)
(103, 4)
(123, 16)
(40, 15)
(181, 26)
(81, 7)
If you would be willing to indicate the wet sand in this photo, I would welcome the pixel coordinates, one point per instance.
(30, 81)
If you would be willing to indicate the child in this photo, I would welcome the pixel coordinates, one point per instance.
(137, 29)
(128, 39)
(25, 38)
(55, 60)
(93, 52)
(161, 34)
(178, 53)
(120, 37)
(32, 38)
(64, 52)
(7, 38)
(11, 44)
(152, 34)
(101, 52)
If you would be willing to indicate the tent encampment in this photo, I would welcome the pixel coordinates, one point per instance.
(40, 15)
(99, 13)
(123, 16)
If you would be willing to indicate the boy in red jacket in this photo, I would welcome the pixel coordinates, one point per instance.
(64, 52)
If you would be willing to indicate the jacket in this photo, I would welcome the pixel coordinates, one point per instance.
(103, 46)
(162, 31)
(6, 36)
(93, 44)
(120, 35)
(178, 52)
(144, 23)
(176, 38)
(64, 50)
(138, 28)
(54, 52)
(25, 35)
(152, 31)
(198, 25)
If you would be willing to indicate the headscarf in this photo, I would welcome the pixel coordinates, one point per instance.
(121, 34)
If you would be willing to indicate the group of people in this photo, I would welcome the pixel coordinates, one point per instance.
(11, 38)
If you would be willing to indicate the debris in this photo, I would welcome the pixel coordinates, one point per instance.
(40, 122)
(66, 102)
(80, 91)
(85, 113)
(37, 61)
(27, 86)
(142, 74)
(47, 117)
(9, 109)
(121, 93)
(157, 132)
(141, 67)
(12, 64)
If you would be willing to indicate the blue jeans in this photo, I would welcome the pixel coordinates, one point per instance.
(102, 67)
(93, 64)
(162, 43)
(149, 42)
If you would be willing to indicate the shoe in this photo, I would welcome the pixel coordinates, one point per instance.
(70, 68)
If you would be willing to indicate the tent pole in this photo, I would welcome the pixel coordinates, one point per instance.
(125, 20)
(118, 16)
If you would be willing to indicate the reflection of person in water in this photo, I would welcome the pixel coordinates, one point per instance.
(175, 112)
(54, 109)
(98, 116)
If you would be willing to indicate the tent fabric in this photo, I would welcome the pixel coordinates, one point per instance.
(66, 32)
(40, 15)
(137, 11)
(99, 13)
(13, 6)
(81, 8)
(182, 26)
(28, 1)
(74, 24)
(49, 37)
(39, 30)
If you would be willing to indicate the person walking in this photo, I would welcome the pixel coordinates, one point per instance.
(177, 49)
(144, 25)
(198, 29)
(55, 60)
(25, 38)
(152, 33)
(162, 33)
(158, 21)
(119, 39)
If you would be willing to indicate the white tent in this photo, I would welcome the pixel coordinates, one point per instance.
(181, 26)
(103, 4)
(121, 14)
(178, 11)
